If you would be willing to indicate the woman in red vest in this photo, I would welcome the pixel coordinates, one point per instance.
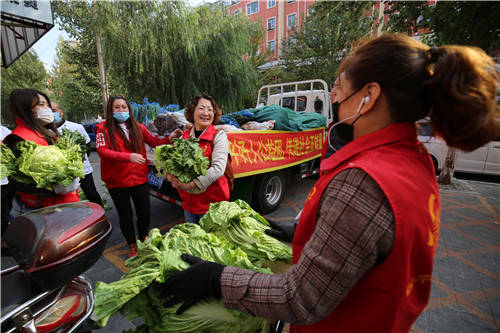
(364, 245)
(197, 195)
(32, 112)
(120, 145)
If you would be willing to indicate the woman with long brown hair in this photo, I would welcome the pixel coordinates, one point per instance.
(120, 144)
(32, 112)
(364, 246)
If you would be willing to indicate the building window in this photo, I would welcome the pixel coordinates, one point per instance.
(271, 3)
(252, 7)
(271, 46)
(236, 12)
(291, 21)
(271, 23)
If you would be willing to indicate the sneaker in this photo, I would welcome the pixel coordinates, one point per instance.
(132, 250)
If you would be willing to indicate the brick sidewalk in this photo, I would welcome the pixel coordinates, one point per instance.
(465, 293)
(465, 296)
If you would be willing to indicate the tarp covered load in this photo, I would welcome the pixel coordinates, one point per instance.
(288, 120)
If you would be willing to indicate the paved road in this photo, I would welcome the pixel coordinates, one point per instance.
(466, 281)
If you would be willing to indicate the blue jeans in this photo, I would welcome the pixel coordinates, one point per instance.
(193, 218)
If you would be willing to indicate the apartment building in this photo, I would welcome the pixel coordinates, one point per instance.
(278, 16)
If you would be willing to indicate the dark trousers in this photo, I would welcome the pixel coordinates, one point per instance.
(140, 197)
(88, 187)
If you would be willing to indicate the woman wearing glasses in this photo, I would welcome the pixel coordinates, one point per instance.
(197, 195)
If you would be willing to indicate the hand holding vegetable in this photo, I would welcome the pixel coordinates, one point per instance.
(188, 187)
(198, 282)
(137, 158)
(178, 185)
(61, 189)
(173, 180)
(175, 134)
(281, 231)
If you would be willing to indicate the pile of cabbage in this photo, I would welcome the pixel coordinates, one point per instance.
(242, 244)
(183, 158)
(44, 166)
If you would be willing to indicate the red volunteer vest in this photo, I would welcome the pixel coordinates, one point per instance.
(118, 173)
(391, 296)
(23, 131)
(218, 191)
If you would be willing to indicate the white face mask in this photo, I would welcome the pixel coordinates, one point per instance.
(45, 115)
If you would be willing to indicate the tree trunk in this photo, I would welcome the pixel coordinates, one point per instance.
(449, 167)
(102, 74)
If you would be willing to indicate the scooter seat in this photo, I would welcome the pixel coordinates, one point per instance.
(17, 288)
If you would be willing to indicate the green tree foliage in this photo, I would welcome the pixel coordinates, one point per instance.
(326, 35)
(166, 51)
(473, 23)
(26, 72)
(75, 80)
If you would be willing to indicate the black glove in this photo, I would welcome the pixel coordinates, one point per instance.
(283, 231)
(200, 281)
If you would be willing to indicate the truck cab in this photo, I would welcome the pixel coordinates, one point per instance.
(300, 96)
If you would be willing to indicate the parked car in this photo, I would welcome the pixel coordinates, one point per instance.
(484, 160)
(89, 128)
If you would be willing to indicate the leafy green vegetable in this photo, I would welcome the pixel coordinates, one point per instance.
(46, 166)
(183, 159)
(8, 159)
(231, 233)
(70, 138)
(238, 223)
(206, 316)
(159, 258)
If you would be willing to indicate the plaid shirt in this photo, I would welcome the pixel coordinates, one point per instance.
(354, 233)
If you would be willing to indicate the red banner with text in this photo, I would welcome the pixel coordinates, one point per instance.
(255, 152)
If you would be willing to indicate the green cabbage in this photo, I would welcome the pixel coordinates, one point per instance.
(69, 139)
(8, 159)
(46, 166)
(231, 233)
(183, 158)
(238, 223)
(137, 292)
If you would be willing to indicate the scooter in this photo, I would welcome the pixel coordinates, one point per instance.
(52, 246)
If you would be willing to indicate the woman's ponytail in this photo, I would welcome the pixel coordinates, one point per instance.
(455, 85)
(463, 87)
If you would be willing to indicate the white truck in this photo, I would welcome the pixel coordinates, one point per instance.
(265, 161)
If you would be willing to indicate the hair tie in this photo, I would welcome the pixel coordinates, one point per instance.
(432, 54)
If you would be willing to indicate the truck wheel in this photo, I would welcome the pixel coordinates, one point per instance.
(269, 190)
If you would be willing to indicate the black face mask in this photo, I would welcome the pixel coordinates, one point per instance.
(343, 133)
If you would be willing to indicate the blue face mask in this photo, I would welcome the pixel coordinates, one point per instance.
(57, 117)
(121, 116)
